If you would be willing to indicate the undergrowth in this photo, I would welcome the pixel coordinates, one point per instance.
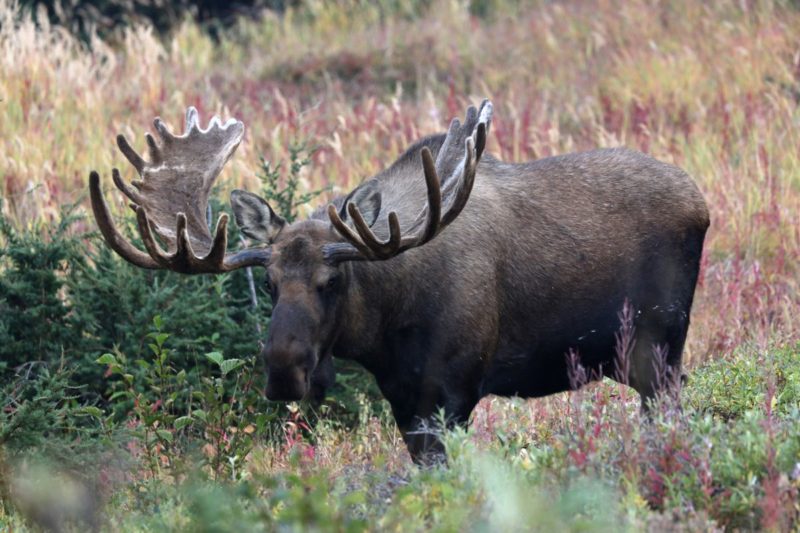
(585, 460)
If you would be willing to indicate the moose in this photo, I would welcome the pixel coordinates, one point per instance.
(476, 277)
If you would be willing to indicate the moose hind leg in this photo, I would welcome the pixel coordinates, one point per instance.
(655, 361)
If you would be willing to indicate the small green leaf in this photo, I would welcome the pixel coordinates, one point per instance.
(199, 413)
(161, 337)
(157, 321)
(163, 434)
(228, 365)
(119, 394)
(215, 357)
(107, 359)
(91, 410)
(182, 422)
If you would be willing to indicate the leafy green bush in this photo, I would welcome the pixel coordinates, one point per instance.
(114, 303)
(730, 387)
(220, 416)
(65, 303)
(84, 16)
(39, 412)
(36, 323)
(42, 425)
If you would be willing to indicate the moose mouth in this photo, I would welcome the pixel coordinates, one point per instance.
(288, 384)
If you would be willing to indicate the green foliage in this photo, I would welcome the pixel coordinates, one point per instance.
(38, 413)
(65, 303)
(287, 198)
(279, 502)
(220, 416)
(43, 428)
(104, 16)
(115, 303)
(35, 322)
(733, 386)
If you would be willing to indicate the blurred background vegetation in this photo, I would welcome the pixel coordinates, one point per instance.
(132, 399)
(84, 18)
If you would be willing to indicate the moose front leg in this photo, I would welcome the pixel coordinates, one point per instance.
(424, 443)
(432, 379)
(423, 412)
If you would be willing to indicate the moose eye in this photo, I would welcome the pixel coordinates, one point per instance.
(330, 284)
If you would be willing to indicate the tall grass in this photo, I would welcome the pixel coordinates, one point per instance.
(713, 88)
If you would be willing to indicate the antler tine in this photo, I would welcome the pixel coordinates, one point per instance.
(216, 255)
(113, 237)
(434, 196)
(379, 249)
(153, 248)
(127, 190)
(183, 248)
(470, 162)
(130, 154)
(163, 132)
(191, 118)
(155, 151)
(347, 232)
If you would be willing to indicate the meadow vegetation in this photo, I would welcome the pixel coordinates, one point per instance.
(132, 400)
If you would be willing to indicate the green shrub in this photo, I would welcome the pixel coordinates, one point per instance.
(732, 386)
(36, 323)
(104, 16)
(39, 412)
(220, 415)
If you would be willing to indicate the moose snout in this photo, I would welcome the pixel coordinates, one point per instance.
(287, 384)
(288, 372)
(289, 353)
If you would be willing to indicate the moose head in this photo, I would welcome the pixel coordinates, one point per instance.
(307, 262)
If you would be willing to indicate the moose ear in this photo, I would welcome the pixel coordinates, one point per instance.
(255, 217)
(367, 198)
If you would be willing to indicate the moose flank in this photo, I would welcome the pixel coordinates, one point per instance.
(450, 275)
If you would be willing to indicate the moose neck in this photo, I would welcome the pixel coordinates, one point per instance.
(371, 304)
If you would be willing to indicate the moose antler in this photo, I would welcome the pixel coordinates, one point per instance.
(453, 190)
(172, 199)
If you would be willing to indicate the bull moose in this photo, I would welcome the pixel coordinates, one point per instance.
(476, 277)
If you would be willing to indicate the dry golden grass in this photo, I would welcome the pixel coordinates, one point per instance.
(713, 88)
